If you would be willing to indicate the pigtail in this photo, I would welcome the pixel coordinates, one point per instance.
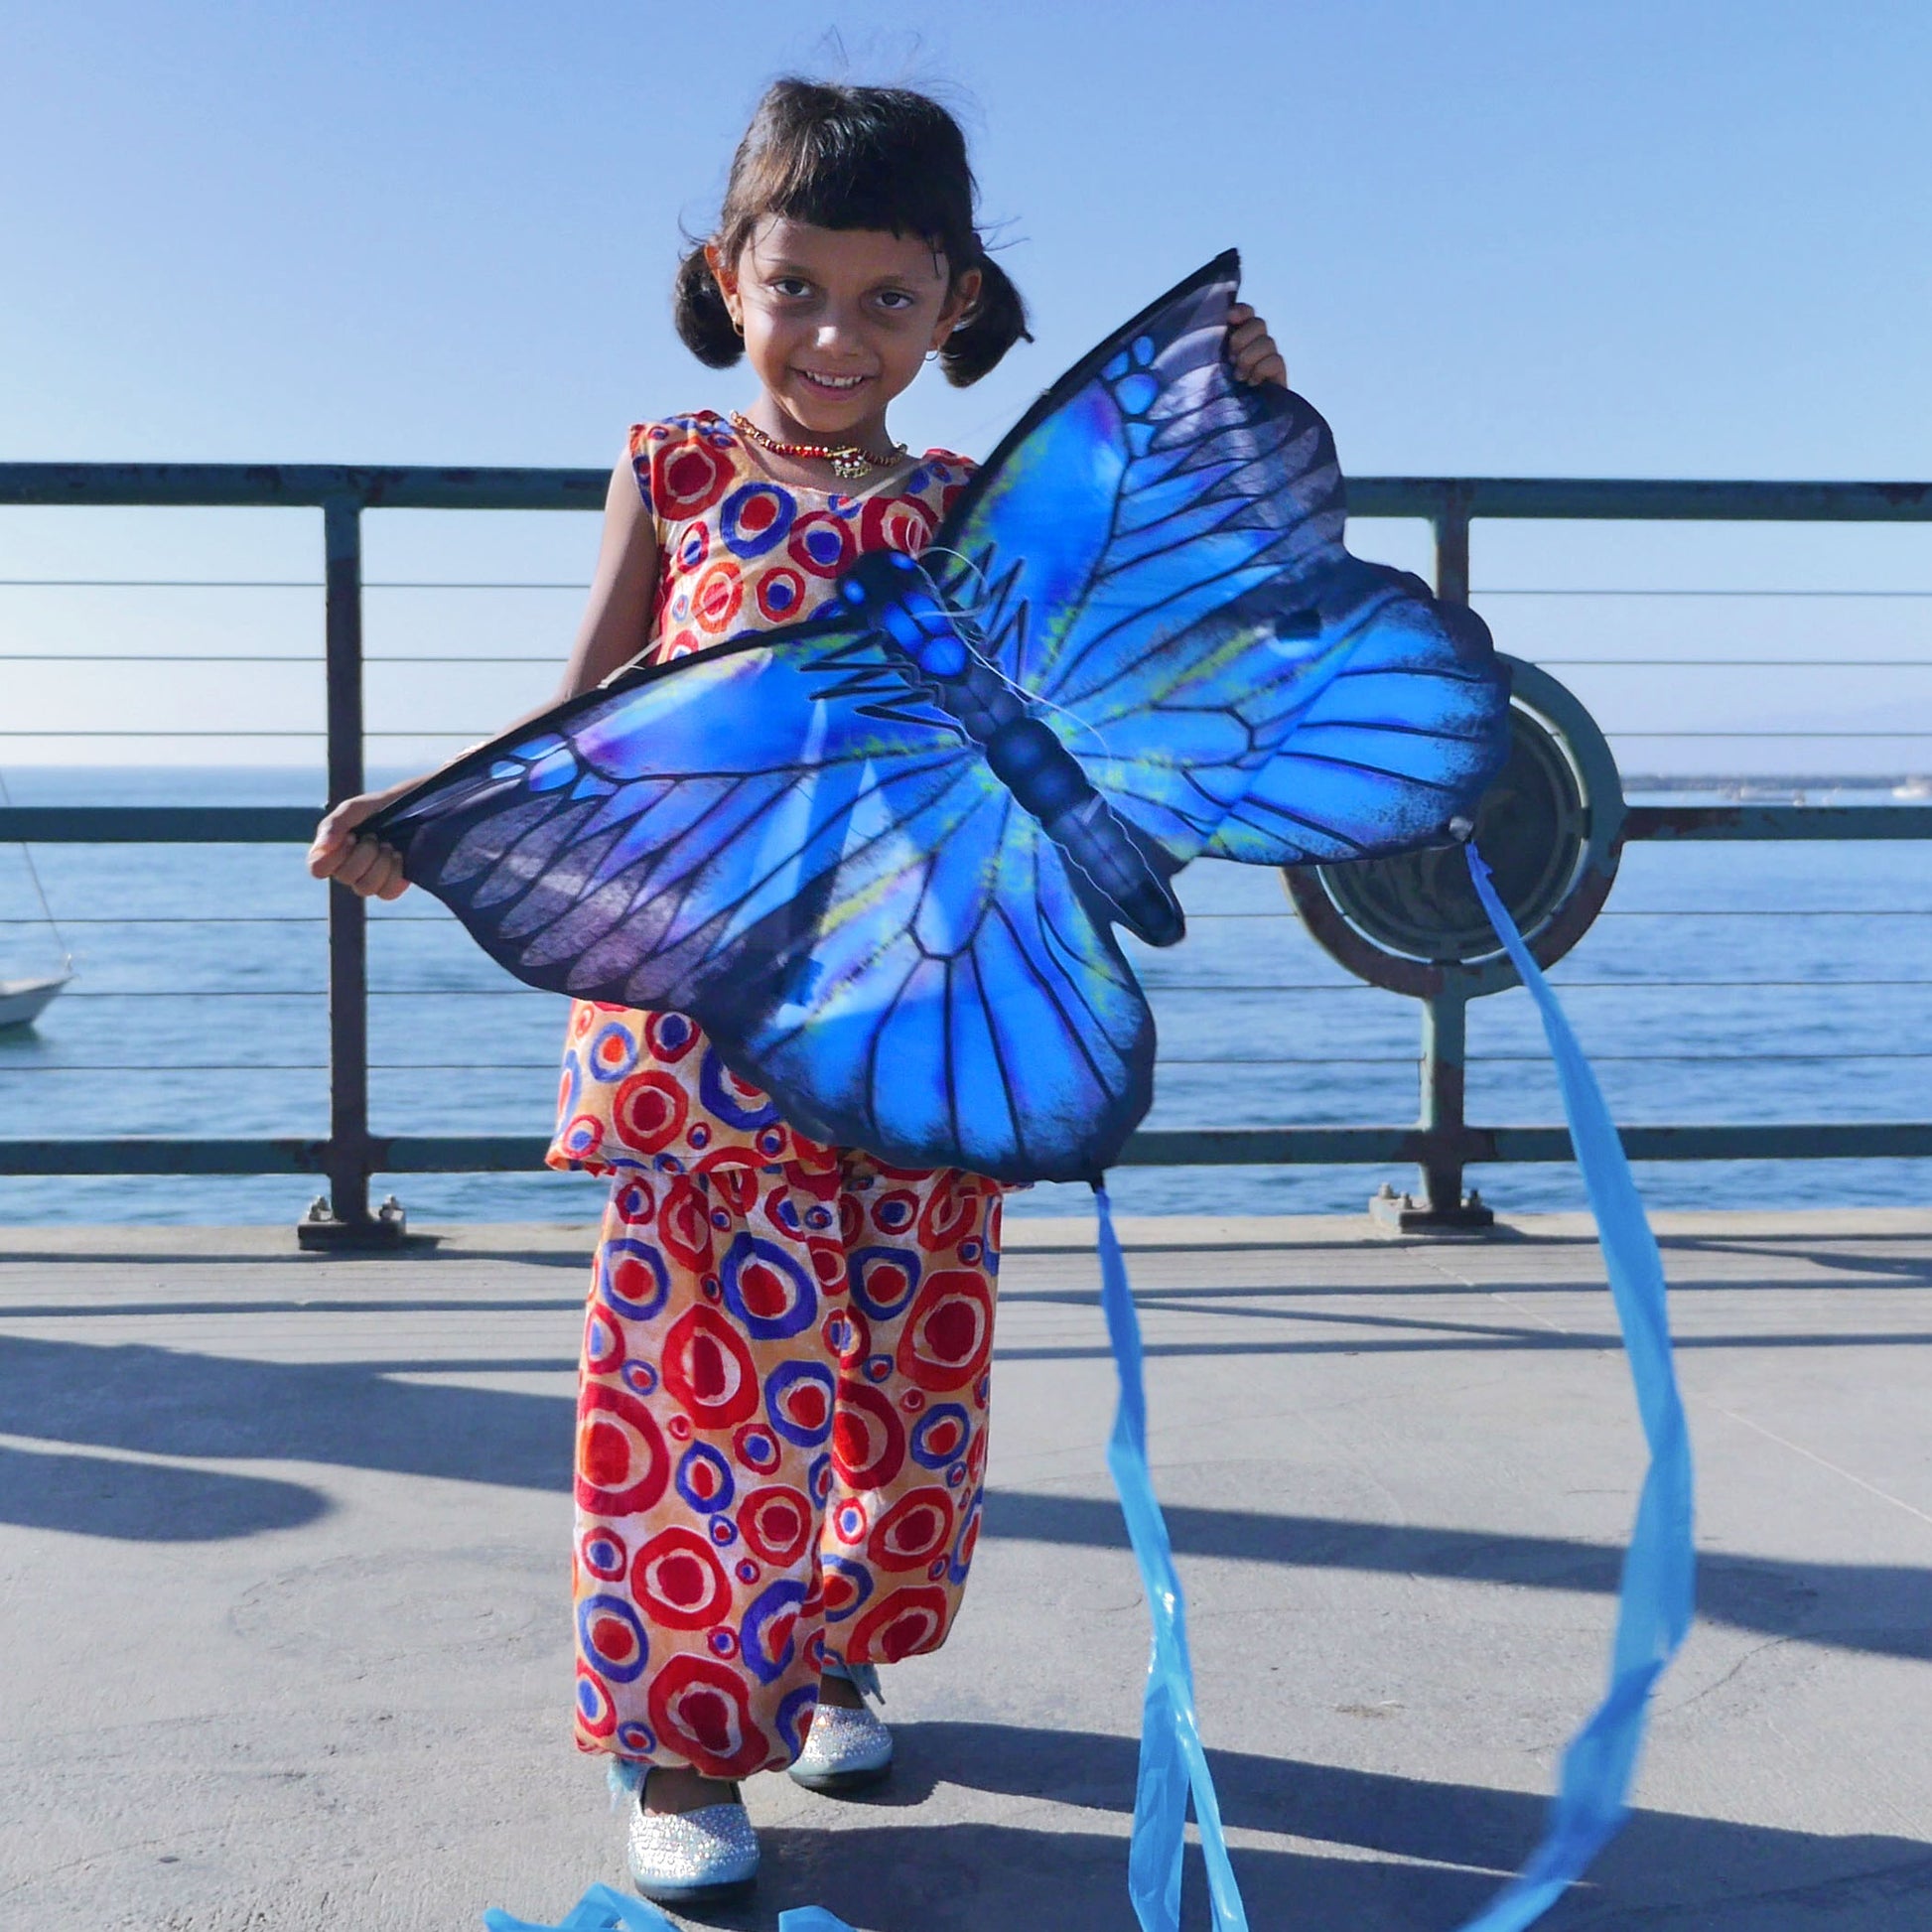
(704, 324)
(996, 320)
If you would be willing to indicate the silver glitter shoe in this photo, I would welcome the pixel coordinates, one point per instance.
(845, 1750)
(692, 1858)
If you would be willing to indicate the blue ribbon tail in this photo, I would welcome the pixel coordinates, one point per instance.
(1657, 1592)
(1174, 1764)
(601, 1909)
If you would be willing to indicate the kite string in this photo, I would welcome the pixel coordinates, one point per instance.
(1656, 1594)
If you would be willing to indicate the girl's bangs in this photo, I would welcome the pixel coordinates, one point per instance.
(897, 187)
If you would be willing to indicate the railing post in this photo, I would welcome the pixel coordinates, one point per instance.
(1444, 1050)
(1453, 546)
(1444, 1015)
(347, 1221)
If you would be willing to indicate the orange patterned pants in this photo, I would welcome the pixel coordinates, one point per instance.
(780, 1446)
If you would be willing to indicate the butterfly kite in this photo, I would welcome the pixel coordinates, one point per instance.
(882, 855)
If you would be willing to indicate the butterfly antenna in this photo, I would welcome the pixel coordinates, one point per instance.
(959, 556)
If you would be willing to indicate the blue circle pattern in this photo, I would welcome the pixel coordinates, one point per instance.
(730, 519)
(715, 1093)
(860, 1269)
(623, 1670)
(618, 1068)
(859, 1576)
(937, 1455)
(968, 1524)
(792, 1714)
(767, 1655)
(801, 1307)
(688, 1481)
(780, 1382)
(653, 1263)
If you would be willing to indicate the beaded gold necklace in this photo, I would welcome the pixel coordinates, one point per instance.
(849, 461)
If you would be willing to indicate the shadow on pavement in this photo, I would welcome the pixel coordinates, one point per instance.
(146, 1502)
(1405, 1848)
(356, 1415)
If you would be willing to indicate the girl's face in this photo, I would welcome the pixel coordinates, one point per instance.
(837, 322)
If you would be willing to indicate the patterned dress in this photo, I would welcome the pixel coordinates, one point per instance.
(782, 1395)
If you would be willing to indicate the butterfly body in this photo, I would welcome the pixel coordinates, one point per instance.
(944, 651)
(880, 855)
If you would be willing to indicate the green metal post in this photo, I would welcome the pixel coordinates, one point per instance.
(348, 1222)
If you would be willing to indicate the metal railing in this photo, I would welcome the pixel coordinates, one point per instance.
(1440, 1144)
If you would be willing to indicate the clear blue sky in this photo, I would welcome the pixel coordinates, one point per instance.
(1617, 238)
(1685, 238)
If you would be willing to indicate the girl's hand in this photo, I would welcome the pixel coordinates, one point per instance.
(1251, 348)
(365, 866)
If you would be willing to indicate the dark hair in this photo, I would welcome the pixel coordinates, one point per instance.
(841, 157)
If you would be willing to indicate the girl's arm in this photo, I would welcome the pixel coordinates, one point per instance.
(616, 628)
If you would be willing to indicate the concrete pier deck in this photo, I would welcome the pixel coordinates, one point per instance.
(284, 1643)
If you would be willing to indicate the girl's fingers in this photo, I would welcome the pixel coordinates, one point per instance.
(372, 869)
(1251, 348)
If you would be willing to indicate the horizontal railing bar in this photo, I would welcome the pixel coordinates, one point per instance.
(316, 584)
(1161, 1059)
(479, 734)
(264, 824)
(1609, 730)
(269, 657)
(1704, 663)
(1530, 589)
(1149, 1147)
(1568, 985)
(269, 485)
(552, 658)
(1646, 499)
(1149, 986)
(579, 584)
(1771, 822)
(458, 658)
(224, 918)
(158, 824)
(1193, 918)
(1321, 1146)
(427, 487)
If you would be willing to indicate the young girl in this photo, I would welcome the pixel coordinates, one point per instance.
(783, 1410)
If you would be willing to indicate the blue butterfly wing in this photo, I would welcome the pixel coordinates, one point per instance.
(784, 840)
(1156, 556)
(978, 1015)
(1401, 738)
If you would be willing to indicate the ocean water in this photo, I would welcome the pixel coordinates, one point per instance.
(1725, 982)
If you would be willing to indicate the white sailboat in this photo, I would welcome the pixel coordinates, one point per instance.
(23, 1001)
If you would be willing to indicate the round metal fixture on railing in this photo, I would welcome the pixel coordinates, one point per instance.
(1549, 828)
